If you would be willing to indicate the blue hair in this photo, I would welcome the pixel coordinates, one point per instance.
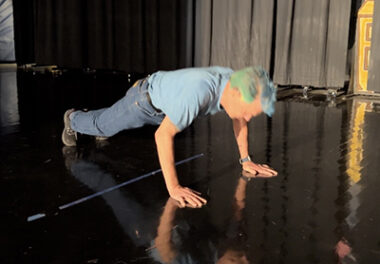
(246, 81)
(268, 92)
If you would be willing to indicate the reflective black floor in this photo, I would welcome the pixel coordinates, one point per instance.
(322, 208)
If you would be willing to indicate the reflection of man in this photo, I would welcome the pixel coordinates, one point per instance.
(229, 247)
(136, 221)
(173, 100)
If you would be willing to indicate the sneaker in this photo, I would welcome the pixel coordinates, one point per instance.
(69, 136)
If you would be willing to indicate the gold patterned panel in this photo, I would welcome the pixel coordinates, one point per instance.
(364, 36)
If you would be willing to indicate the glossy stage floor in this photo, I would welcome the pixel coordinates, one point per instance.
(323, 207)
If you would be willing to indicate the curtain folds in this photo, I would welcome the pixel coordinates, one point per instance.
(301, 42)
(298, 42)
(7, 50)
(233, 33)
(133, 36)
(312, 42)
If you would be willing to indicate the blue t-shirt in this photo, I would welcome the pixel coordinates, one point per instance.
(187, 93)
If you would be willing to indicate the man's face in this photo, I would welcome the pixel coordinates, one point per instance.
(243, 110)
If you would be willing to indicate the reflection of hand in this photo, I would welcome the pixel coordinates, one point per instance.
(343, 250)
(186, 196)
(262, 169)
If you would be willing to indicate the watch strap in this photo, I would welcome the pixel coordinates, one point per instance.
(248, 158)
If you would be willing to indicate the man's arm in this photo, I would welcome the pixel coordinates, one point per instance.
(241, 134)
(163, 241)
(164, 137)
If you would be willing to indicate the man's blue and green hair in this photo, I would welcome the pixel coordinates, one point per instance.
(246, 81)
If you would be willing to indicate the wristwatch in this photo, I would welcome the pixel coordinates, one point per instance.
(248, 158)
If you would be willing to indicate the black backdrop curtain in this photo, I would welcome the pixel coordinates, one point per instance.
(298, 42)
(23, 23)
(312, 42)
(374, 61)
(233, 33)
(133, 36)
(301, 42)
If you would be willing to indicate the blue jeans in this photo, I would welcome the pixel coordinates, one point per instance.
(132, 111)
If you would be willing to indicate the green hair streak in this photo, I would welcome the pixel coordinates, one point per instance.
(245, 80)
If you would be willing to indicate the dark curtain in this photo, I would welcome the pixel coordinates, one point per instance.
(132, 36)
(312, 42)
(301, 42)
(233, 33)
(23, 22)
(7, 50)
(374, 62)
(298, 42)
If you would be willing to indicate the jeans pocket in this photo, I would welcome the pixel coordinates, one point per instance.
(144, 106)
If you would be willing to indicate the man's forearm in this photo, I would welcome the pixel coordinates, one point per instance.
(241, 134)
(165, 150)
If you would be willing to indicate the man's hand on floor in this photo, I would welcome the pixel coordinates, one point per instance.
(186, 196)
(262, 169)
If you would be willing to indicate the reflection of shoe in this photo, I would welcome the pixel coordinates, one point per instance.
(70, 155)
(69, 136)
(101, 143)
(100, 138)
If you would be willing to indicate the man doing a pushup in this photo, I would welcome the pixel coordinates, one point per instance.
(172, 100)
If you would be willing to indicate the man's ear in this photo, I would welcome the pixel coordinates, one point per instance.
(235, 92)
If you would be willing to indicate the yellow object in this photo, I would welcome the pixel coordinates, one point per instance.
(364, 35)
(356, 139)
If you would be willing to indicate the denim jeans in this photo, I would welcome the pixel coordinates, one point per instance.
(132, 111)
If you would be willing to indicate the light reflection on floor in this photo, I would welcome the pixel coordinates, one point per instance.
(9, 116)
(321, 208)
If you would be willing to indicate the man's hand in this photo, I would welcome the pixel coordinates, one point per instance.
(186, 196)
(262, 169)
(241, 135)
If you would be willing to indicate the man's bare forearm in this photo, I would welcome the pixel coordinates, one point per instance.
(165, 148)
(241, 134)
(164, 137)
